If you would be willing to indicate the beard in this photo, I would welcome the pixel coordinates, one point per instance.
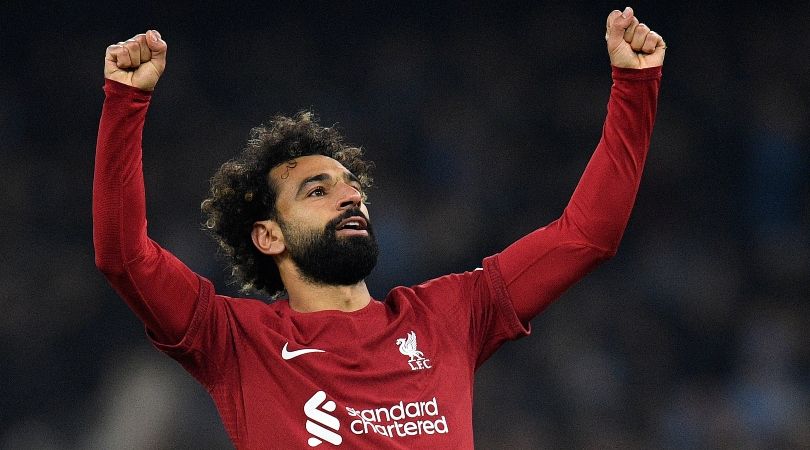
(324, 258)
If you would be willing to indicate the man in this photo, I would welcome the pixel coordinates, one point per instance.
(327, 365)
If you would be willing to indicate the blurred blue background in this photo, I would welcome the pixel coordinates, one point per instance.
(480, 120)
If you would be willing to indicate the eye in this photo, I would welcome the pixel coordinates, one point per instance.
(317, 192)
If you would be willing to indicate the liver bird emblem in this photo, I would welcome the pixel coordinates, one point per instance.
(407, 346)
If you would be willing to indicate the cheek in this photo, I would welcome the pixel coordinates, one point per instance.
(308, 220)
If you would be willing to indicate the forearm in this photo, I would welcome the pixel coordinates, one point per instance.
(156, 286)
(601, 204)
(541, 266)
(119, 205)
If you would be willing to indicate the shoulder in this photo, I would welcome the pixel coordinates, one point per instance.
(437, 293)
(247, 307)
(450, 284)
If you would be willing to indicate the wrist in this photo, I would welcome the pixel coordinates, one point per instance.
(118, 89)
(648, 73)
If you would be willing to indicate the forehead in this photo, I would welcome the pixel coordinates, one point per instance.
(289, 173)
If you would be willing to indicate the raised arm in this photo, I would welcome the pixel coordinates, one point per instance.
(158, 287)
(539, 267)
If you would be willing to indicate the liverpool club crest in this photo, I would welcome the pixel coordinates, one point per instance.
(416, 359)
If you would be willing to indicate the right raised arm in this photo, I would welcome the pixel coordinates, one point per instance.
(160, 289)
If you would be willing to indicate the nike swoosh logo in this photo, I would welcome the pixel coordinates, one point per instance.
(286, 354)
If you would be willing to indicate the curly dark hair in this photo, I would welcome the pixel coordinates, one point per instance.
(242, 193)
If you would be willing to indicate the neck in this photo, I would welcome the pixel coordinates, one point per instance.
(306, 296)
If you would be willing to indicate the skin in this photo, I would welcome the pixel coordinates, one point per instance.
(631, 44)
(141, 60)
(138, 62)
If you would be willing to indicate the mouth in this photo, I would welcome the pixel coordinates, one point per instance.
(353, 226)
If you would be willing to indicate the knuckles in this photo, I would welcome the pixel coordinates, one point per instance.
(132, 45)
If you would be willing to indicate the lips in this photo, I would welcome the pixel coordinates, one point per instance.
(352, 223)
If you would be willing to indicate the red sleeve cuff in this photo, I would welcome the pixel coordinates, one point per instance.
(650, 73)
(116, 89)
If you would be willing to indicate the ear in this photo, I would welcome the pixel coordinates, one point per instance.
(267, 237)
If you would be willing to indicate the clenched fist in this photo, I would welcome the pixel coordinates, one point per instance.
(138, 62)
(631, 44)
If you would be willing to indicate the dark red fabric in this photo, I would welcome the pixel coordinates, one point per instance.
(234, 346)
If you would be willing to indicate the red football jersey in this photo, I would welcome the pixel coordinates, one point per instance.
(395, 374)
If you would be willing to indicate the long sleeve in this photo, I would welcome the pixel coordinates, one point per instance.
(160, 289)
(539, 267)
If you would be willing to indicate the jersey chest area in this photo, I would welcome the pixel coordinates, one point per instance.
(370, 357)
(377, 343)
(364, 383)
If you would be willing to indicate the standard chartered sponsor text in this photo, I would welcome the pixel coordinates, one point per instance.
(400, 420)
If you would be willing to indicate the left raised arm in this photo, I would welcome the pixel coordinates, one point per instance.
(536, 269)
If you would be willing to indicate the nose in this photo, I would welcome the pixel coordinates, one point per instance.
(349, 197)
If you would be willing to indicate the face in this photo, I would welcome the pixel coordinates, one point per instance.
(324, 221)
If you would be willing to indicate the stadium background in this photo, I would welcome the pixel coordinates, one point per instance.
(480, 119)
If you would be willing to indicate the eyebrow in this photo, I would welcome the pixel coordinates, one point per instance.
(321, 177)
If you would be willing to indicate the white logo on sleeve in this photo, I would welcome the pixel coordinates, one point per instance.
(416, 359)
(322, 426)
